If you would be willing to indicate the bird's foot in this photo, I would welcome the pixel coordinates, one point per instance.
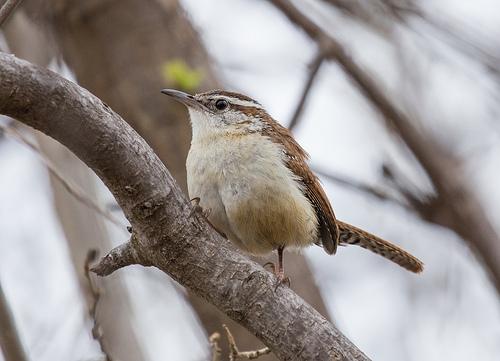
(205, 213)
(281, 279)
(199, 209)
(271, 266)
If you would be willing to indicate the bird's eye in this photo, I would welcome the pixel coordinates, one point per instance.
(221, 104)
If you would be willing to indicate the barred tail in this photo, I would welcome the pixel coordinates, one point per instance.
(353, 235)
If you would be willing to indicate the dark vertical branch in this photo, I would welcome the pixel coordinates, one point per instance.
(313, 71)
(10, 342)
(7, 9)
(95, 293)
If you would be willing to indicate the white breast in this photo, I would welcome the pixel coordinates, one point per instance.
(253, 197)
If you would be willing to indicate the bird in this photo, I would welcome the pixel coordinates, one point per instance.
(253, 182)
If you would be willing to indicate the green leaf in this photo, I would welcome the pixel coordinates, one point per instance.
(181, 76)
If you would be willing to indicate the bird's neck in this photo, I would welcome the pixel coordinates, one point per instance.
(205, 128)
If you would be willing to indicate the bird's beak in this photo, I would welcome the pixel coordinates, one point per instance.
(184, 98)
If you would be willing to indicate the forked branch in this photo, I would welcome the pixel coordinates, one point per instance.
(168, 235)
(234, 353)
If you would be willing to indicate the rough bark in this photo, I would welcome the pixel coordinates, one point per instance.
(83, 228)
(117, 52)
(167, 233)
(455, 205)
(302, 283)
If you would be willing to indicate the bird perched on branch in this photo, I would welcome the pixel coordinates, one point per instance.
(252, 178)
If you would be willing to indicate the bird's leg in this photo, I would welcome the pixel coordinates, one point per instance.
(280, 272)
(204, 212)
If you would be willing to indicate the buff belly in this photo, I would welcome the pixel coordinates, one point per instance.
(252, 196)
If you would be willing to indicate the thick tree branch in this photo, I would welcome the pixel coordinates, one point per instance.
(82, 227)
(131, 89)
(464, 212)
(168, 237)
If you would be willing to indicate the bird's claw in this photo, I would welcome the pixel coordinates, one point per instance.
(199, 209)
(196, 206)
(281, 279)
(271, 266)
(205, 213)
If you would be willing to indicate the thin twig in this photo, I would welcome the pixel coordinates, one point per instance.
(7, 9)
(71, 188)
(96, 295)
(214, 345)
(466, 46)
(401, 12)
(363, 187)
(235, 354)
(313, 71)
(456, 204)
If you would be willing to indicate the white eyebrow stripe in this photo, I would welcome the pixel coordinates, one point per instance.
(237, 101)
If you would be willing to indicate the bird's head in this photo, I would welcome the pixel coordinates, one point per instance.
(220, 111)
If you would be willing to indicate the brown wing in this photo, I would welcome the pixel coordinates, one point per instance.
(328, 229)
(297, 163)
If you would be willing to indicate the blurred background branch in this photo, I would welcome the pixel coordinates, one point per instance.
(364, 188)
(10, 342)
(72, 189)
(382, 16)
(313, 69)
(7, 8)
(83, 227)
(95, 292)
(455, 206)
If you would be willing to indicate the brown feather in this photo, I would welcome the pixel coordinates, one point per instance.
(296, 160)
(353, 235)
(213, 94)
(330, 231)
